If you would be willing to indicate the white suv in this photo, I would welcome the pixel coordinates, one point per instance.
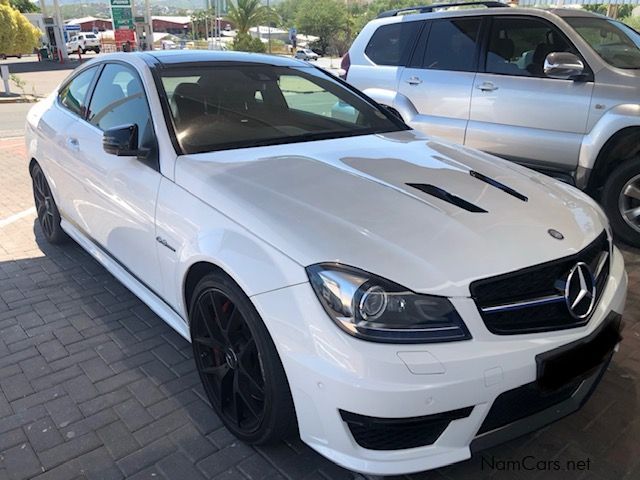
(84, 42)
(557, 90)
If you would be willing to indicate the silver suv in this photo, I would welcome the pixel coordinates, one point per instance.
(556, 90)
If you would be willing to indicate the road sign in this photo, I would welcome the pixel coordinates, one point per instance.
(72, 28)
(122, 18)
(122, 15)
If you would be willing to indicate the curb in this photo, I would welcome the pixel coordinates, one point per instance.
(19, 99)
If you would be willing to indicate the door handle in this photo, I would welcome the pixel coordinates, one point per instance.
(414, 81)
(73, 144)
(487, 87)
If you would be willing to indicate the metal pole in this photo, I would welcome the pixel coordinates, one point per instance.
(62, 48)
(218, 23)
(207, 22)
(43, 8)
(148, 25)
(206, 29)
(269, 26)
(215, 12)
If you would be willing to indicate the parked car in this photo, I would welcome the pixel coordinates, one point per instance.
(306, 54)
(387, 294)
(84, 42)
(4, 56)
(557, 90)
(168, 45)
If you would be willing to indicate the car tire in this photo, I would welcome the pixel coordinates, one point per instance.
(97, 50)
(46, 208)
(3, 57)
(238, 363)
(621, 193)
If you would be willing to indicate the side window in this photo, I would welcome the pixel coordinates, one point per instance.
(74, 94)
(391, 44)
(452, 45)
(119, 100)
(518, 46)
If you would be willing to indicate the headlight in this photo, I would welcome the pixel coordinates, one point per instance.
(372, 308)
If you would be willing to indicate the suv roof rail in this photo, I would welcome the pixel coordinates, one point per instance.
(431, 8)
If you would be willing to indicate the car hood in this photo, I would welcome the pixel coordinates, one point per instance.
(400, 205)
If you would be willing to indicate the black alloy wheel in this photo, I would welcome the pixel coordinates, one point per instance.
(46, 208)
(238, 364)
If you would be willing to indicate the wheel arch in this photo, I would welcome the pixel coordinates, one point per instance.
(194, 274)
(619, 147)
(32, 163)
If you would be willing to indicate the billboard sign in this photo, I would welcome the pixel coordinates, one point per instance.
(122, 15)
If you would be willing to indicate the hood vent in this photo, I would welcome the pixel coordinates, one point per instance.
(497, 184)
(447, 197)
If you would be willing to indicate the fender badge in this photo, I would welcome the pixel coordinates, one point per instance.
(555, 234)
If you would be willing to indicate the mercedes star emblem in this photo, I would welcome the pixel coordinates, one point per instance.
(580, 291)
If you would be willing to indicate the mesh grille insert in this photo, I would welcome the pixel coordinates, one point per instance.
(400, 433)
(536, 282)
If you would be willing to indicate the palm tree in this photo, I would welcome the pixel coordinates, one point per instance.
(245, 14)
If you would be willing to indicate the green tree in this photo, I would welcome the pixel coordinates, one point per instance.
(601, 8)
(17, 35)
(24, 6)
(325, 19)
(287, 10)
(245, 14)
(246, 43)
(203, 19)
(633, 22)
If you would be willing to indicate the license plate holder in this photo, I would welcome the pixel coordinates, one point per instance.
(578, 359)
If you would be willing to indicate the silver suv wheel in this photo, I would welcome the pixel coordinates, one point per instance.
(629, 203)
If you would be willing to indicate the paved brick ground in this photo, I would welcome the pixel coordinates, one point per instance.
(94, 385)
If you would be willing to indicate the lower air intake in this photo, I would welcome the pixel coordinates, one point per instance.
(400, 433)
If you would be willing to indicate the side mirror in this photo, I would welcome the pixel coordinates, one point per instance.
(121, 141)
(563, 66)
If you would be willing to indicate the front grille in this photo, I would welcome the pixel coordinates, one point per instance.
(531, 300)
(400, 433)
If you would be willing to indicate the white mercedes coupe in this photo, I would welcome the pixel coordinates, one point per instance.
(398, 301)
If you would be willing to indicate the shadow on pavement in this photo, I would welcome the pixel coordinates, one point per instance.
(44, 66)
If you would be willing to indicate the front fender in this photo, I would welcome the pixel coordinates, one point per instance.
(616, 119)
(196, 232)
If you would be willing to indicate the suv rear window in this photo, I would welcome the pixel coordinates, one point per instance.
(391, 44)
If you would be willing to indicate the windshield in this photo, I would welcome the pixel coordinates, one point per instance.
(615, 42)
(219, 107)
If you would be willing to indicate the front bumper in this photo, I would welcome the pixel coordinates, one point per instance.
(330, 372)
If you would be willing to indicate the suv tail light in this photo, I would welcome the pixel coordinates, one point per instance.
(344, 65)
